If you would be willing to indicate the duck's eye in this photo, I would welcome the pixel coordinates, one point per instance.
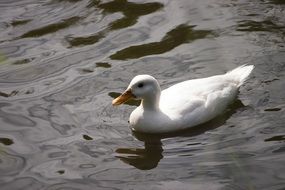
(140, 85)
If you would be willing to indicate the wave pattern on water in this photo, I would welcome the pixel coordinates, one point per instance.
(179, 35)
(63, 61)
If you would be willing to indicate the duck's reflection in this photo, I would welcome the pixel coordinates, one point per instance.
(148, 157)
(143, 158)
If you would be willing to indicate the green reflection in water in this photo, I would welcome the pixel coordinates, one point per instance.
(51, 28)
(87, 137)
(6, 95)
(92, 39)
(23, 61)
(2, 58)
(277, 2)
(266, 25)
(272, 109)
(276, 138)
(131, 11)
(6, 141)
(19, 22)
(60, 172)
(103, 64)
(179, 35)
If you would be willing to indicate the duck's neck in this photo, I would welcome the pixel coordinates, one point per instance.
(151, 102)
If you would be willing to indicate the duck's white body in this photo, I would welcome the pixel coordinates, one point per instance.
(185, 104)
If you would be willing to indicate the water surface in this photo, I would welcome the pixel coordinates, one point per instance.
(63, 61)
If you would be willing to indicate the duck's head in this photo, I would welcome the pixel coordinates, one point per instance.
(142, 87)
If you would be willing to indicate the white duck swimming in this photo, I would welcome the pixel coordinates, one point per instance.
(182, 105)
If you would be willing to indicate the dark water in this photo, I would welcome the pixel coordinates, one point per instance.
(63, 61)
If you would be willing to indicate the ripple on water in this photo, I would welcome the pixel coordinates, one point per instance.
(59, 154)
(81, 91)
(18, 120)
(20, 48)
(177, 36)
(23, 183)
(60, 114)
(70, 185)
(11, 165)
(131, 11)
(55, 169)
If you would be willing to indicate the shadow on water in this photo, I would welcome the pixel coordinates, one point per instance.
(131, 11)
(148, 157)
(177, 36)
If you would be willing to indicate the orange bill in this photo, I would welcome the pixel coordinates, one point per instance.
(123, 98)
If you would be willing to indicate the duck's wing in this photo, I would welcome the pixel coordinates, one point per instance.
(198, 96)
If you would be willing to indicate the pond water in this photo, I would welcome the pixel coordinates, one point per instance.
(63, 61)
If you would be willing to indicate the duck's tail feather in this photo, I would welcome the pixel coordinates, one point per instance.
(240, 74)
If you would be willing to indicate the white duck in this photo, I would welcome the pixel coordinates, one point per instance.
(182, 105)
